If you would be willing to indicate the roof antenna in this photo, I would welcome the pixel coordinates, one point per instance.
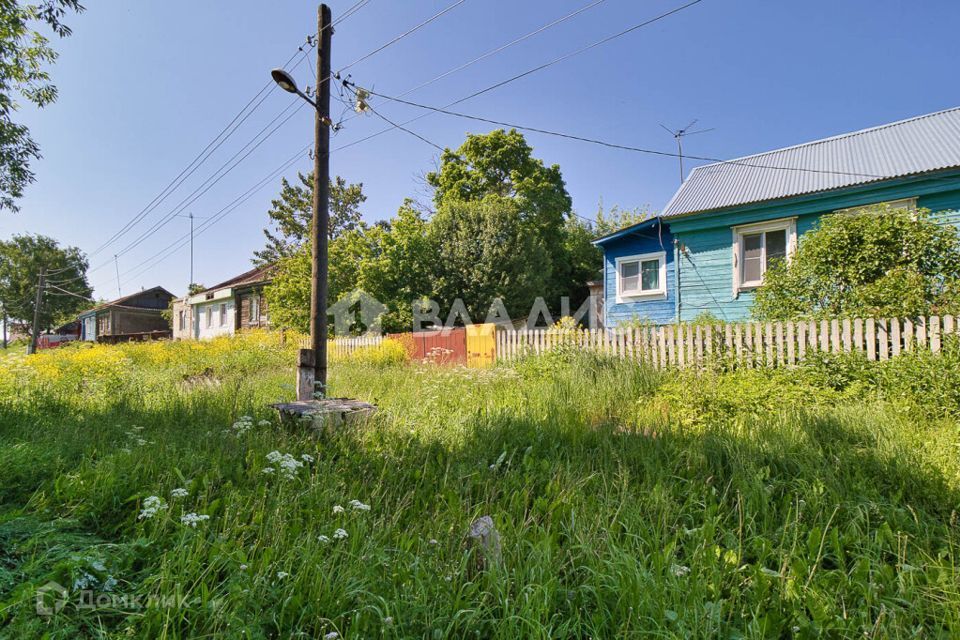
(679, 135)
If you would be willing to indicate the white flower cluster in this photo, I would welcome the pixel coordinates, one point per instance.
(286, 463)
(242, 425)
(151, 506)
(679, 570)
(339, 534)
(179, 492)
(356, 505)
(191, 519)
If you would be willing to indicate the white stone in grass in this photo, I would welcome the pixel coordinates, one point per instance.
(484, 538)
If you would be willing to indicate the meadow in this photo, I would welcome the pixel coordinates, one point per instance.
(817, 502)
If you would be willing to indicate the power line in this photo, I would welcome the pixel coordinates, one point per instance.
(204, 154)
(400, 37)
(496, 50)
(224, 133)
(612, 145)
(540, 67)
(181, 242)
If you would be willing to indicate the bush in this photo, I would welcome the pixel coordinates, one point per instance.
(388, 353)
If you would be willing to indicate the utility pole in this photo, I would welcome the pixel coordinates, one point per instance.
(116, 265)
(36, 311)
(321, 200)
(191, 216)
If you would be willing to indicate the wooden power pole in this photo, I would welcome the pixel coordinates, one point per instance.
(321, 201)
(35, 333)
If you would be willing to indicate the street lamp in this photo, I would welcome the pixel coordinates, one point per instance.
(286, 82)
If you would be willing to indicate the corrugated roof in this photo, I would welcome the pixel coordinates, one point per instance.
(119, 302)
(918, 145)
(255, 275)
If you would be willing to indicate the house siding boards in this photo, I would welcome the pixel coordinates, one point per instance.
(706, 281)
(654, 310)
(137, 313)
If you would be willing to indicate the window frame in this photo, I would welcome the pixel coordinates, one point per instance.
(640, 295)
(209, 316)
(910, 204)
(255, 309)
(222, 314)
(789, 225)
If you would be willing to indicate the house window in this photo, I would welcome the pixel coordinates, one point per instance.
(183, 320)
(757, 247)
(910, 204)
(223, 314)
(642, 276)
(254, 309)
(209, 317)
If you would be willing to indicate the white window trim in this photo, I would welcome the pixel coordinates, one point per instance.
(209, 315)
(222, 314)
(660, 293)
(900, 203)
(787, 224)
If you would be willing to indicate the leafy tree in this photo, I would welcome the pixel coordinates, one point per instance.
(400, 267)
(21, 259)
(617, 218)
(485, 251)
(24, 53)
(291, 215)
(289, 292)
(501, 164)
(879, 262)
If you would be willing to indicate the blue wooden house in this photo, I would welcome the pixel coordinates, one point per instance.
(729, 220)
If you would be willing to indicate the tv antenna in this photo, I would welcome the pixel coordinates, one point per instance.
(679, 135)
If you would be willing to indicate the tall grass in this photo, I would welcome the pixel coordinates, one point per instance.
(629, 502)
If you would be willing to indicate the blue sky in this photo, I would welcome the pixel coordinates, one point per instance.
(145, 86)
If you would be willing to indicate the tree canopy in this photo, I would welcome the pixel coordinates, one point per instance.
(291, 215)
(880, 261)
(502, 229)
(24, 55)
(21, 259)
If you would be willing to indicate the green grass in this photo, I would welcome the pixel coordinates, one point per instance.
(629, 503)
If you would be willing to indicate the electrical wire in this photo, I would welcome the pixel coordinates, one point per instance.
(535, 69)
(605, 143)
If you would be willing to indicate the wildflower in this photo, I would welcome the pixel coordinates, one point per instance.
(263, 423)
(340, 534)
(179, 492)
(324, 539)
(282, 574)
(307, 458)
(151, 506)
(242, 425)
(243, 567)
(191, 519)
(388, 621)
(337, 508)
(679, 570)
(287, 464)
(356, 505)
(433, 541)
(333, 635)
(268, 470)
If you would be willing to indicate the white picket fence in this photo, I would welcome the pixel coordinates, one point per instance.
(750, 344)
(343, 346)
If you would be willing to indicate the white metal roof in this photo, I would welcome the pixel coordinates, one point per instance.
(917, 145)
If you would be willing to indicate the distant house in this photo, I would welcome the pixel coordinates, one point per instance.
(709, 249)
(138, 315)
(225, 308)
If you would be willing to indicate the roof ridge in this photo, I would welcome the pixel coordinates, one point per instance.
(839, 136)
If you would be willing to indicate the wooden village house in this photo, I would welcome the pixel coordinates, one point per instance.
(224, 309)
